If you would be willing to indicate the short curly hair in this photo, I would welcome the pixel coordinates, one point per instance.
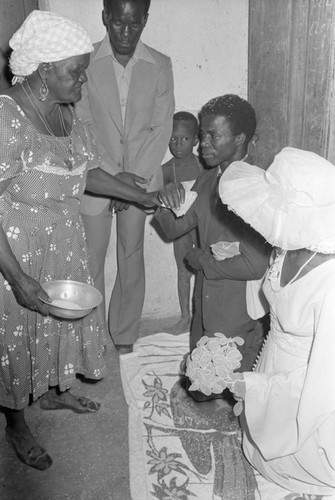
(108, 4)
(191, 120)
(237, 111)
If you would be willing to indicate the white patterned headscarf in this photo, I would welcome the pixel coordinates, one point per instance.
(46, 37)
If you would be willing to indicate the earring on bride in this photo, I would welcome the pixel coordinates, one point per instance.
(44, 91)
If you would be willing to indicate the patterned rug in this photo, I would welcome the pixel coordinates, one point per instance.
(179, 449)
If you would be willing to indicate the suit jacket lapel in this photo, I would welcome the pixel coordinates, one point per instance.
(103, 75)
(212, 187)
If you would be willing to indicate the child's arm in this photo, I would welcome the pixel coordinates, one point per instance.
(167, 173)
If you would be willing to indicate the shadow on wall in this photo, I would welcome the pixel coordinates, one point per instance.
(4, 71)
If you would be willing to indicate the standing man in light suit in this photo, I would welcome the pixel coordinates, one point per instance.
(128, 103)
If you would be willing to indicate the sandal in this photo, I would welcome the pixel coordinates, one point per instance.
(28, 450)
(84, 405)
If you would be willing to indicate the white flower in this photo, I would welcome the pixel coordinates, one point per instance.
(75, 189)
(7, 285)
(68, 369)
(4, 167)
(12, 141)
(4, 360)
(48, 229)
(18, 331)
(211, 363)
(84, 263)
(26, 257)
(15, 123)
(13, 232)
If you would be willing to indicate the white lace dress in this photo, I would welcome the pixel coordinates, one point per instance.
(289, 419)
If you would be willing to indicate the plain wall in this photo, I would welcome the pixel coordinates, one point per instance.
(207, 41)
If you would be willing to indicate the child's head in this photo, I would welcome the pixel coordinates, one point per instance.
(184, 134)
(227, 125)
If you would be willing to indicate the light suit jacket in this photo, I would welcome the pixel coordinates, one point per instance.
(140, 145)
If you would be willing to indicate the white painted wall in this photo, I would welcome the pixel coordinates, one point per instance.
(207, 41)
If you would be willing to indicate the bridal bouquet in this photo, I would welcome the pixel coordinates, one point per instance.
(213, 360)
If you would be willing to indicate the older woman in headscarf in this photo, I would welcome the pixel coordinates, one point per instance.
(288, 420)
(47, 159)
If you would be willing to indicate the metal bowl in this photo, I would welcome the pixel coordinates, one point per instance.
(71, 299)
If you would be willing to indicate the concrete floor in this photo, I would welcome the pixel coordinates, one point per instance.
(90, 451)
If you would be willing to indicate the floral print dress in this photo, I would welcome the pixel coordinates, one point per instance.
(39, 212)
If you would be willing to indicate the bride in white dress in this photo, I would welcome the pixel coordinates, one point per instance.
(288, 422)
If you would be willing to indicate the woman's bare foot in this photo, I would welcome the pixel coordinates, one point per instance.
(23, 442)
(55, 400)
(27, 448)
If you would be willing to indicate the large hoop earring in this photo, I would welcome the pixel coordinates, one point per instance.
(44, 91)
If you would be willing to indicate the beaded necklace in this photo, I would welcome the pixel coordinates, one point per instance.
(301, 268)
(69, 158)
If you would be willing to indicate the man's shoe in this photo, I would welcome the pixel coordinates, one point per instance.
(124, 348)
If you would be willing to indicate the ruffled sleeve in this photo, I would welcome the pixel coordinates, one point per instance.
(283, 410)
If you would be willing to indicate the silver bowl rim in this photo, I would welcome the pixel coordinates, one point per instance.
(81, 284)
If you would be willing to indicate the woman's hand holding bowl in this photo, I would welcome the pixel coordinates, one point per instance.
(28, 292)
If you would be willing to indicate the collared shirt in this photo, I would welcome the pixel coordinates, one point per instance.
(123, 74)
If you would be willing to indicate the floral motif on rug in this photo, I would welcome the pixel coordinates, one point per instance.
(180, 449)
(186, 449)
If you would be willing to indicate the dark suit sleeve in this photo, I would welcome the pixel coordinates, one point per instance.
(174, 227)
(250, 264)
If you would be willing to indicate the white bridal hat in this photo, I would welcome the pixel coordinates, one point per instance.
(291, 204)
